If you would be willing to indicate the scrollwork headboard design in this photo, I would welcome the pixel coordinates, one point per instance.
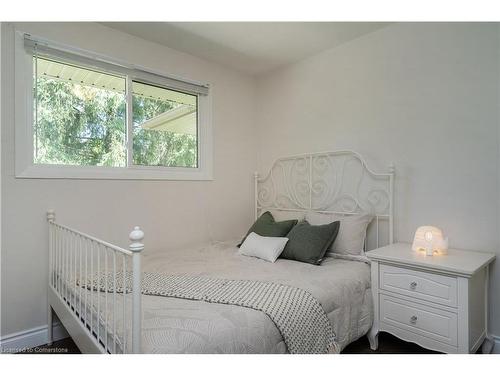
(336, 182)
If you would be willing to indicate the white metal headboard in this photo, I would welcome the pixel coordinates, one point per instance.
(336, 182)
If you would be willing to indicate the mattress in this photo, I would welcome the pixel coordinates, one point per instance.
(173, 325)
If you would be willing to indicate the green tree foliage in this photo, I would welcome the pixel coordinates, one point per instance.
(156, 147)
(82, 125)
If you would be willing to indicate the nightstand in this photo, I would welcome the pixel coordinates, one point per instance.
(439, 302)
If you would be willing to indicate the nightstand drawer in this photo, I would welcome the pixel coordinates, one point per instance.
(435, 324)
(427, 286)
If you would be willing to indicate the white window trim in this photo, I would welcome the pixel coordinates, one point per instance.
(26, 168)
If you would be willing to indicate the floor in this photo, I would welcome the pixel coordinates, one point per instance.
(66, 346)
(388, 344)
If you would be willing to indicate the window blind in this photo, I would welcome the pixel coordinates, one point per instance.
(93, 60)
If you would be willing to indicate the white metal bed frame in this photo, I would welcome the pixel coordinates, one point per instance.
(309, 182)
(317, 182)
(73, 253)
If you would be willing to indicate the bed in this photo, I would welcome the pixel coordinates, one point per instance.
(115, 314)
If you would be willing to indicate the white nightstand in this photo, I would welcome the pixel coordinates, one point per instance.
(439, 302)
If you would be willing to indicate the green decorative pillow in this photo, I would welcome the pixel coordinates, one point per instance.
(309, 243)
(266, 226)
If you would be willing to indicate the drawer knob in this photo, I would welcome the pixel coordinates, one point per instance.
(413, 285)
(413, 319)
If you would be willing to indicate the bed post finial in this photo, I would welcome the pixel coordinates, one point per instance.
(51, 215)
(136, 236)
(392, 168)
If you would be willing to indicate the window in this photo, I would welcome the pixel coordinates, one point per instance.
(165, 127)
(79, 115)
(92, 118)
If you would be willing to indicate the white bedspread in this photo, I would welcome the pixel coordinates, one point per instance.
(172, 325)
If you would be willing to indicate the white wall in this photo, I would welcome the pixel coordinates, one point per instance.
(0, 173)
(172, 213)
(424, 96)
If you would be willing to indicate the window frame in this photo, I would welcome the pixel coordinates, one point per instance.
(24, 121)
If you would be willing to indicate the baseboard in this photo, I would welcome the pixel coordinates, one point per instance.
(31, 338)
(496, 348)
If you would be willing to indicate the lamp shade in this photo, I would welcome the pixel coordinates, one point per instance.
(430, 239)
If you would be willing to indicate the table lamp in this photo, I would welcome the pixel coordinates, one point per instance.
(430, 239)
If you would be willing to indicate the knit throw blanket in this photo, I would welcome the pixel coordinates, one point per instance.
(298, 315)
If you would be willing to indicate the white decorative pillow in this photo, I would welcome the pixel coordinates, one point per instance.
(280, 215)
(352, 231)
(266, 248)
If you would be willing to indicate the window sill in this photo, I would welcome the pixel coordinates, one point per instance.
(111, 173)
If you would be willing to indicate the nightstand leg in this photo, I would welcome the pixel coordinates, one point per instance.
(373, 338)
(488, 342)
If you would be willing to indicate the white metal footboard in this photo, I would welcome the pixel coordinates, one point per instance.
(99, 321)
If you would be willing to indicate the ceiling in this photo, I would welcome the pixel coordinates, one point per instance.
(250, 47)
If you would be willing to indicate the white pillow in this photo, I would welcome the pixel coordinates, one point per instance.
(352, 232)
(280, 215)
(266, 248)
